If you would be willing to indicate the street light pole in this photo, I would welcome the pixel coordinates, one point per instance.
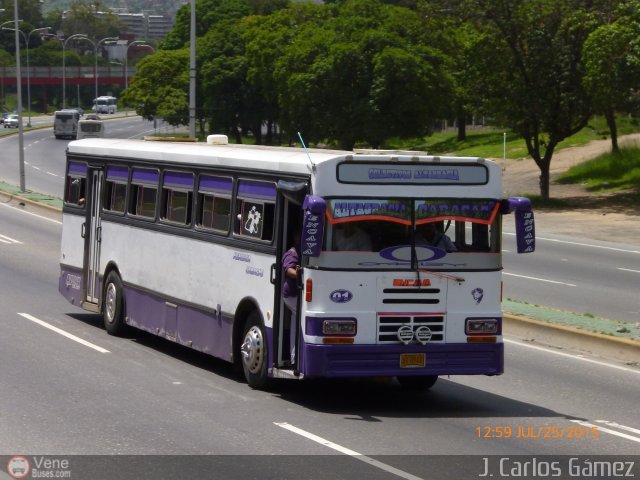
(107, 39)
(64, 66)
(19, 92)
(126, 59)
(27, 39)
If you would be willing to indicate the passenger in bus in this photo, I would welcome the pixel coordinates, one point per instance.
(290, 268)
(429, 234)
(349, 236)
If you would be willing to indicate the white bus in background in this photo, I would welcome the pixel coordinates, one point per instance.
(105, 104)
(185, 241)
(65, 123)
(90, 129)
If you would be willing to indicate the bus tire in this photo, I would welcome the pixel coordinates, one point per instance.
(254, 352)
(420, 383)
(113, 305)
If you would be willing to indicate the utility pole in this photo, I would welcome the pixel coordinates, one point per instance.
(19, 92)
(192, 73)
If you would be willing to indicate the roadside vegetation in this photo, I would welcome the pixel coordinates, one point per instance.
(609, 172)
(374, 73)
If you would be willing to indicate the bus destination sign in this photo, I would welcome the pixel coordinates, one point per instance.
(422, 174)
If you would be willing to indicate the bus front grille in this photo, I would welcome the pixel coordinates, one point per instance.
(388, 326)
(420, 296)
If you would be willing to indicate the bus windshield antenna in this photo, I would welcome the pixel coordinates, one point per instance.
(306, 151)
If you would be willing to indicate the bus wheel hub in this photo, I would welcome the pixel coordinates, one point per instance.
(252, 349)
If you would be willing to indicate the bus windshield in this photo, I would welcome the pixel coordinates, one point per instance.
(410, 233)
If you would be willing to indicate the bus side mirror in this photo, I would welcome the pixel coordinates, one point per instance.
(525, 224)
(314, 208)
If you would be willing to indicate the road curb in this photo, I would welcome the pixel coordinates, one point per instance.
(10, 196)
(565, 337)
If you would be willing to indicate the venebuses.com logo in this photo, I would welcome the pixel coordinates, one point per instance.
(18, 467)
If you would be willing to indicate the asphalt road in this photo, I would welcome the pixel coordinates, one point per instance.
(71, 389)
(577, 275)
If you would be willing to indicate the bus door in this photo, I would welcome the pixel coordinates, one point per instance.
(290, 197)
(93, 236)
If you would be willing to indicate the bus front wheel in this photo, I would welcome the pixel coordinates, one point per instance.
(419, 383)
(113, 305)
(254, 352)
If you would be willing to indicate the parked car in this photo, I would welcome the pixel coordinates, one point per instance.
(12, 121)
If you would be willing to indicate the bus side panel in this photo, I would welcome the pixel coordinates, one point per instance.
(183, 288)
(203, 331)
(72, 258)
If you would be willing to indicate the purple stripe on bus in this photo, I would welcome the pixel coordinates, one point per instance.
(146, 177)
(70, 284)
(78, 168)
(258, 190)
(178, 180)
(384, 360)
(215, 184)
(118, 173)
(197, 329)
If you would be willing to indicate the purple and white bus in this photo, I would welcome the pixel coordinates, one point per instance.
(185, 240)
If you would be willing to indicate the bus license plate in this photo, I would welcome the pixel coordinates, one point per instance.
(412, 360)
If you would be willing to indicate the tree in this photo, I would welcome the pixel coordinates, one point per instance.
(266, 40)
(364, 75)
(223, 72)
(160, 87)
(29, 11)
(208, 14)
(612, 61)
(83, 18)
(529, 70)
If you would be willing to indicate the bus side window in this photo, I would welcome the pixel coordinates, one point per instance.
(255, 219)
(76, 191)
(177, 197)
(215, 212)
(255, 209)
(115, 196)
(144, 193)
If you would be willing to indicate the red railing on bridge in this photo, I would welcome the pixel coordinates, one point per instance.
(73, 75)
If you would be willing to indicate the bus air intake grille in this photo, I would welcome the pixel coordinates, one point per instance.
(388, 326)
(417, 296)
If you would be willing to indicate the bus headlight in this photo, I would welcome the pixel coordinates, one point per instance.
(339, 327)
(482, 326)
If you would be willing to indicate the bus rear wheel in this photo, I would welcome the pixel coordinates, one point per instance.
(254, 352)
(420, 383)
(113, 305)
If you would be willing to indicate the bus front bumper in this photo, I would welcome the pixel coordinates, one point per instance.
(386, 360)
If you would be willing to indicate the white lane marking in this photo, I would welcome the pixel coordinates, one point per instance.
(539, 279)
(628, 270)
(5, 239)
(607, 430)
(63, 333)
(617, 425)
(615, 249)
(32, 214)
(575, 357)
(346, 451)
